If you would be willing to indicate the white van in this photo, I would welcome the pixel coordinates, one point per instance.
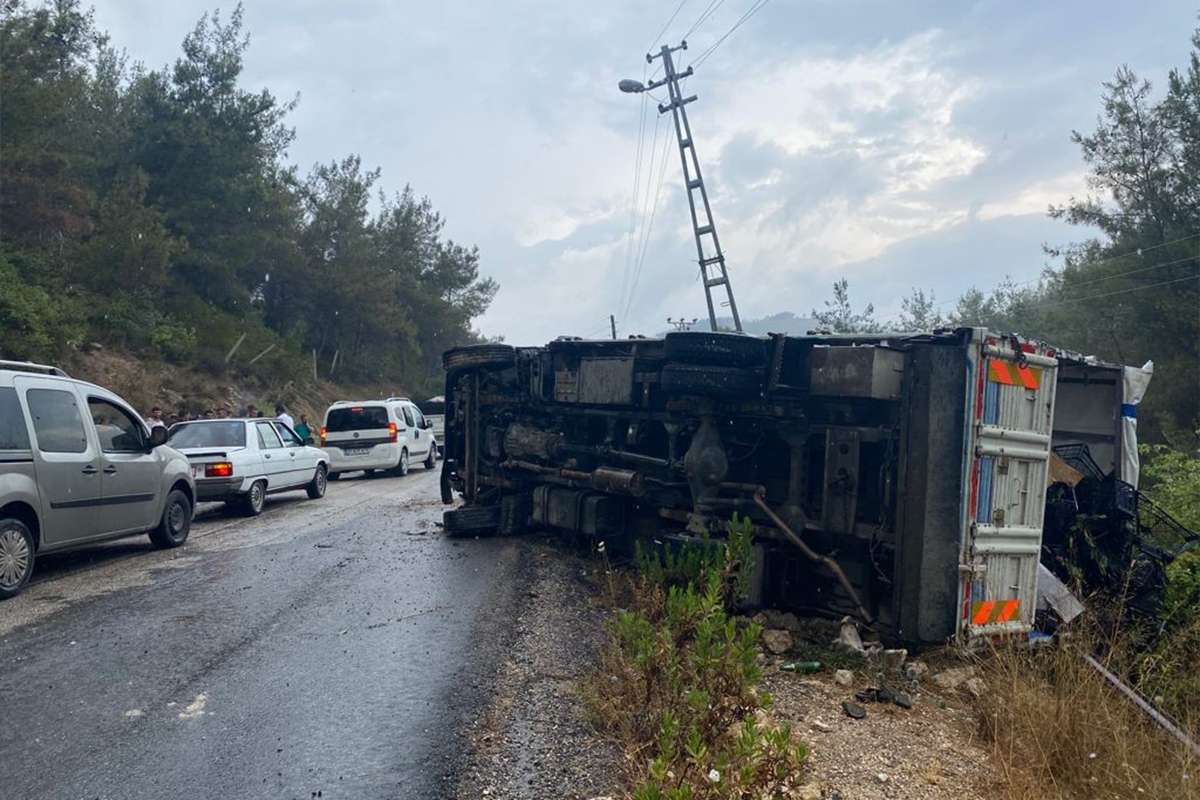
(372, 435)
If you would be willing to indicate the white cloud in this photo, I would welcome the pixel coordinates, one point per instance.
(1037, 197)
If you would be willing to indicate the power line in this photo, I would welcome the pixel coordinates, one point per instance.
(667, 24)
(754, 9)
(633, 200)
(704, 15)
(645, 213)
(637, 272)
(1111, 294)
(1114, 258)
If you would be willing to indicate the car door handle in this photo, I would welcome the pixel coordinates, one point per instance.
(266, 455)
(110, 470)
(90, 469)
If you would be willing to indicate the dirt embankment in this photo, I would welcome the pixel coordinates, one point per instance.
(190, 390)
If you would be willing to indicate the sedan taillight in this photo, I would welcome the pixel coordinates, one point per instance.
(219, 469)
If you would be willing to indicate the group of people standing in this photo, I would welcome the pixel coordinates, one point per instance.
(251, 411)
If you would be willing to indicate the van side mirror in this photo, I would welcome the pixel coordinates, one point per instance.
(427, 424)
(158, 436)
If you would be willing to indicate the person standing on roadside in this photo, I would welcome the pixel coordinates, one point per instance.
(154, 417)
(284, 417)
(303, 430)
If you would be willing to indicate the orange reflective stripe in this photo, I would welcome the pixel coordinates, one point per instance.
(1010, 374)
(998, 372)
(1008, 611)
(983, 612)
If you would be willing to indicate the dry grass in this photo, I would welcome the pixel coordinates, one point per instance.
(1059, 731)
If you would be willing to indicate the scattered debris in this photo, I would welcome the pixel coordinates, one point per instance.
(133, 713)
(916, 671)
(777, 640)
(195, 709)
(903, 700)
(843, 677)
(823, 727)
(803, 667)
(848, 637)
(976, 687)
(953, 678)
(853, 710)
(893, 660)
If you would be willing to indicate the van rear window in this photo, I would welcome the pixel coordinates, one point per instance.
(13, 434)
(356, 418)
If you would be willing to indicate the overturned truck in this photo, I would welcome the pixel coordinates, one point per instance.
(899, 478)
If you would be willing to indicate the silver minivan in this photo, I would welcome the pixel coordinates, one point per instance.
(78, 465)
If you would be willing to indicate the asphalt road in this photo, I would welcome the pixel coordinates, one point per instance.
(328, 648)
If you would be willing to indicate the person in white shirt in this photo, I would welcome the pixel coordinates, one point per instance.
(284, 417)
(155, 418)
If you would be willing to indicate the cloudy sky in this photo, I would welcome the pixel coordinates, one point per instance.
(895, 144)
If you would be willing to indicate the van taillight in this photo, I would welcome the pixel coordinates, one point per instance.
(220, 469)
(324, 430)
(393, 432)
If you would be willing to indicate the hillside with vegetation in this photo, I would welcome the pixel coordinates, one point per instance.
(154, 213)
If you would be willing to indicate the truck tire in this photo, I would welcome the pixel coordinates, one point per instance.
(16, 556)
(725, 349)
(176, 521)
(471, 520)
(711, 381)
(479, 355)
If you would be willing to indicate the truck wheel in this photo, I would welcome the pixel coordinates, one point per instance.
(255, 499)
(711, 381)
(316, 487)
(727, 349)
(479, 355)
(471, 520)
(176, 522)
(16, 557)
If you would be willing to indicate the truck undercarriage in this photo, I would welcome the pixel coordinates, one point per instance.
(897, 478)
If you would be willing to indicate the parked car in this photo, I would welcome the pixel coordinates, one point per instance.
(78, 465)
(375, 435)
(241, 461)
(434, 410)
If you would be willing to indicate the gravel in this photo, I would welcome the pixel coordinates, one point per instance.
(533, 740)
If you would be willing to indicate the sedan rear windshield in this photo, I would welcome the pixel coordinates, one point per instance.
(208, 434)
(356, 418)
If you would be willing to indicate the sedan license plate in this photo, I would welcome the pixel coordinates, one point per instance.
(197, 470)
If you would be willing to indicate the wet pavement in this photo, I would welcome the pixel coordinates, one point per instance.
(329, 648)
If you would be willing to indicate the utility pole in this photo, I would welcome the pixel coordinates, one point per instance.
(711, 258)
(612, 321)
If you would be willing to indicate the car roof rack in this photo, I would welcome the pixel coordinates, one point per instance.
(29, 366)
(397, 400)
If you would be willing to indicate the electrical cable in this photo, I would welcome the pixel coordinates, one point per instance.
(633, 201)
(1051, 303)
(704, 15)
(754, 9)
(637, 273)
(626, 298)
(667, 24)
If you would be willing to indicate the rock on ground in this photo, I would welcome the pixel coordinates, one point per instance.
(777, 640)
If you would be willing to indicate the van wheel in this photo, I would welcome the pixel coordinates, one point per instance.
(316, 487)
(176, 521)
(471, 520)
(402, 465)
(431, 459)
(479, 355)
(255, 499)
(16, 557)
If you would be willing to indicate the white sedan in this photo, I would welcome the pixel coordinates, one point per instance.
(241, 461)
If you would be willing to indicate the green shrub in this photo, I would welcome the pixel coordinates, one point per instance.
(1172, 479)
(679, 676)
